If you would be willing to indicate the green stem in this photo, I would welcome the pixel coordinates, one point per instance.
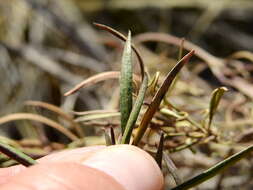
(218, 168)
(16, 155)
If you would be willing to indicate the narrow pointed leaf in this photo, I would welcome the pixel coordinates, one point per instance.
(153, 83)
(112, 136)
(172, 169)
(217, 169)
(154, 105)
(135, 112)
(159, 153)
(16, 155)
(126, 87)
(109, 136)
(215, 100)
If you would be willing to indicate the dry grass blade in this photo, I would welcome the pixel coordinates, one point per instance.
(154, 105)
(59, 111)
(122, 37)
(217, 169)
(34, 117)
(153, 83)
(126, 87)
(97, 78)
(166, 38)
(97, 116)
(242, 55)
(135, 112)
(92, 112)
(16, 155)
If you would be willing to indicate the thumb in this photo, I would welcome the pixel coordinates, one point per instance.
(120, 167)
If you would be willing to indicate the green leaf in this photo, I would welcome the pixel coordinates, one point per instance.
(215, 100)
(135, 112)
(218, 168)
(154, 105)
(126, 87)
(16, 155)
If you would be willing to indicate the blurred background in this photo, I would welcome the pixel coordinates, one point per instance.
(49, 46)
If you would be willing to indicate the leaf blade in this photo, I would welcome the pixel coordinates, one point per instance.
(16, 155)
(216, 169)
(215, 100)
(135, 111)
(126, 88)
(159, 153)
(154, 105)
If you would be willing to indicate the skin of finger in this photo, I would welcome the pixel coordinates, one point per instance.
(128, 165)
(75, 155)
(64, 176)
